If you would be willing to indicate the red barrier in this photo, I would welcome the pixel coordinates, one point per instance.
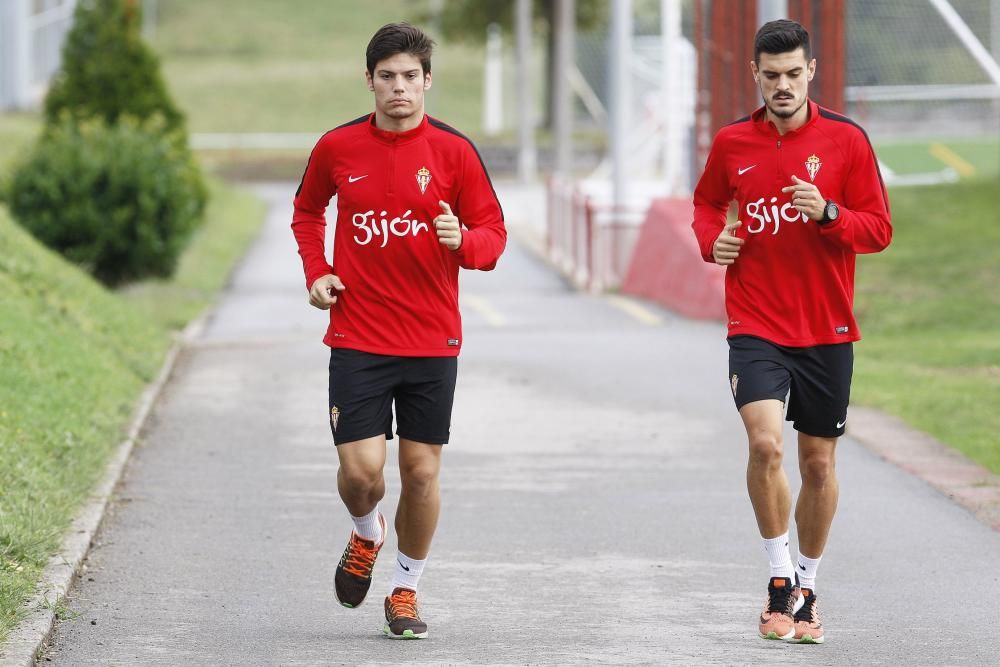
(667, 267)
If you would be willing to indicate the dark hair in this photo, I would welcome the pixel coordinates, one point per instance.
(402, 37)
(780, 36)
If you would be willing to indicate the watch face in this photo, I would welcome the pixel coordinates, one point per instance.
(832, 211)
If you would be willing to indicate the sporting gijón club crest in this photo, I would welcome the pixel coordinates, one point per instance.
(812, 166)
(423, 179)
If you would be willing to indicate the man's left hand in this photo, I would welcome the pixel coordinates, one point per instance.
(449, 229)
(806, 198)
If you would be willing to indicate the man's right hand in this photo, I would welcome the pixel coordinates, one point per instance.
(726, 248)
(324, 291)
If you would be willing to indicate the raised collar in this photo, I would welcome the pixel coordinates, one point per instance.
(762, 124)
(396, 138)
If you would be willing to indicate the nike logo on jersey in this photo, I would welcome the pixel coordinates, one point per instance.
(352, 179)
(745, 169)
(841, 424)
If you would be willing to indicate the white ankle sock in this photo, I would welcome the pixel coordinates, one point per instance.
(807, 571)
(368, 526)
(779, 557)
(408, 571)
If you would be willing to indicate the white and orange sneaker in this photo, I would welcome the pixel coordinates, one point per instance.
(776, 621)
(808, 629)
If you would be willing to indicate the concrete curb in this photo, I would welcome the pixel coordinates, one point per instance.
(31, 634)
(947, 470)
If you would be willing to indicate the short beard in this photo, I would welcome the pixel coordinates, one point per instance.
(400, 113)
(785, 114)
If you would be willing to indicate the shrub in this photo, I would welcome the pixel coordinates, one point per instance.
(108, 72)
(119, 200)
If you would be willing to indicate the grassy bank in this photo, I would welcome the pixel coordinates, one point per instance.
(973, 158)
(930, 313)
(264, 66)
(73, 359)
(17, 131)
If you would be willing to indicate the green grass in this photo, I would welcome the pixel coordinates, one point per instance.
(17, 131)
(265, 66)
(73, 359)
(930, 313)
(914, 157)
(235, 217)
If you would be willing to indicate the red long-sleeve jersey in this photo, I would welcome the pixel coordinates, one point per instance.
(793, 282)
(401, 284)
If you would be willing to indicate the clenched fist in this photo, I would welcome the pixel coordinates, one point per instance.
(324, 291)
(449, 229)
(806, 198)
(726, 248)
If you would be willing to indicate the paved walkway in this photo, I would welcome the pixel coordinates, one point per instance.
(594, 503)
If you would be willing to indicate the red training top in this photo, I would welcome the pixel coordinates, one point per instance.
(401, 284)
(793, 282)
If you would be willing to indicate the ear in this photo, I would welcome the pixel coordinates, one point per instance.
(368, 80)
(427, 81)
(755, 71)
(812, 69)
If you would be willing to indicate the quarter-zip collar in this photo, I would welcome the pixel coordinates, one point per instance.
(396, 138)
(765, 126)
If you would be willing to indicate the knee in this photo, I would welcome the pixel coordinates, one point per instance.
(361, 479)
(817, 470)
(419, 476)
(765, 448)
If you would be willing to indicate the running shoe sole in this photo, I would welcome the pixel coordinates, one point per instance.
(407, 634)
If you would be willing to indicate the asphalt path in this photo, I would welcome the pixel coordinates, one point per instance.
(594, 504)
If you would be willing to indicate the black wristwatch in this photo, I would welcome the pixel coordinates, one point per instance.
(830, 213)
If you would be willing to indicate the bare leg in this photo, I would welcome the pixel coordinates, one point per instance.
(359, 479)
(817, 501)
(766, 480)
(420, 497)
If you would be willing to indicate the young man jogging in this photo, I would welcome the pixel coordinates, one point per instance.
(810, 199)
(414, 204)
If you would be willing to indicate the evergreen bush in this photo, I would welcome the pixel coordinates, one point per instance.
(111, 182)
(108, 71)
(119, 200)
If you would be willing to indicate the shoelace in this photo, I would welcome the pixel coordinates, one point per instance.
(780, 600)
(808, 612)
(404, 605)
(360, 558)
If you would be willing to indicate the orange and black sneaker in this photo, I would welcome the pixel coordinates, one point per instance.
(776, 620)
(402, 620)
(808, 629)
(354, 572)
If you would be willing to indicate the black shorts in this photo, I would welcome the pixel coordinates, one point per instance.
(817, 381)
(364, 386)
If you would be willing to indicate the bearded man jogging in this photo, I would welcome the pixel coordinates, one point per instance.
(810, 199)
(414, 204)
